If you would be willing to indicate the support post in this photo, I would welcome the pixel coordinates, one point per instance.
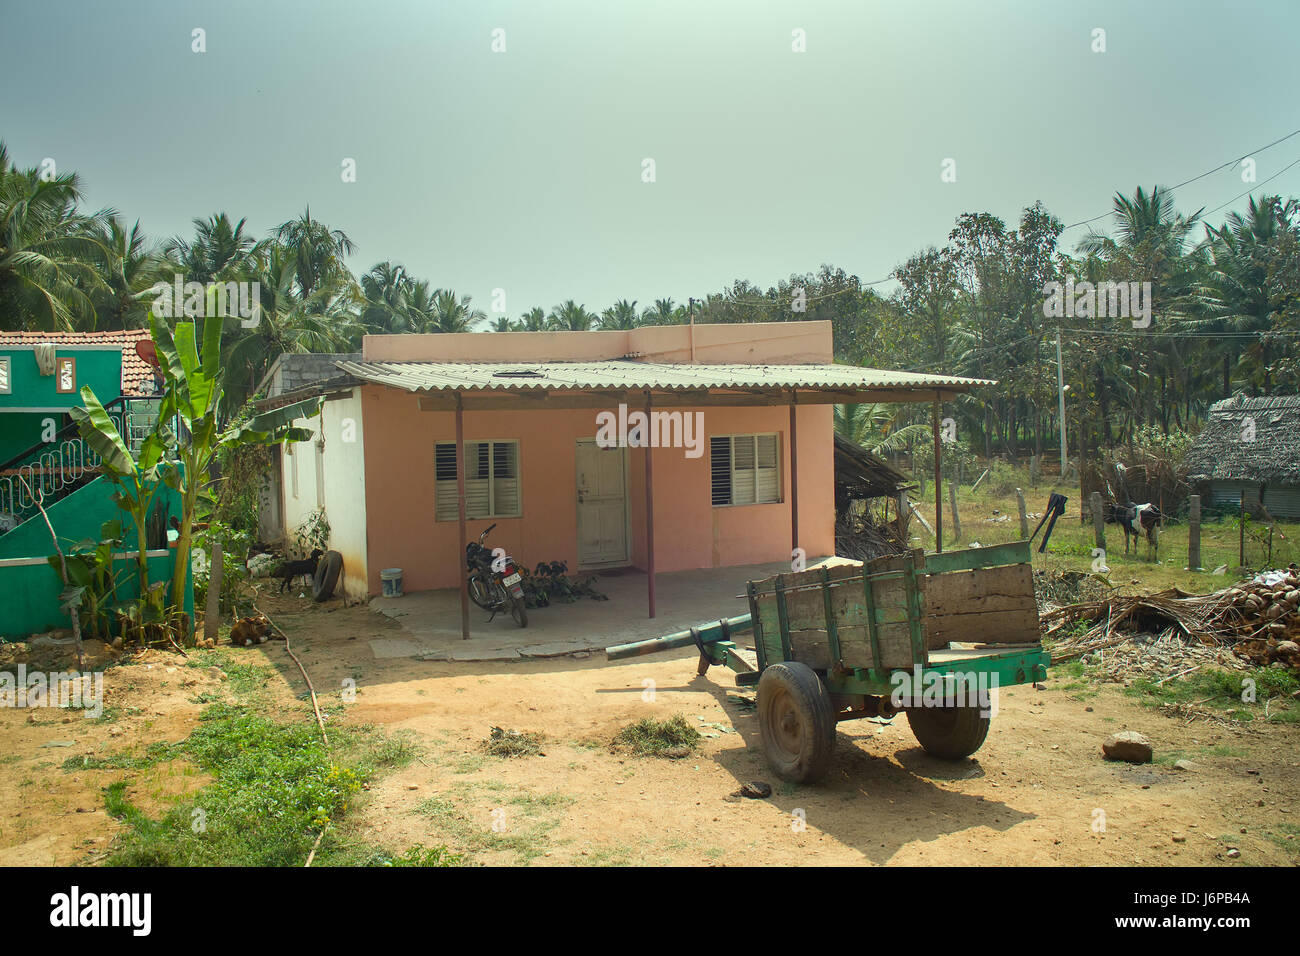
(649, 514)
(212, 613)
(794, 475)
(460, 514)
(956, 518)
(1024, 515)
(1194, 533)
(938, 478)
(1060, 395)
(1098, 520)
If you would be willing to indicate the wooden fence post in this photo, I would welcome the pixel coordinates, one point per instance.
(1098, 520)
(956, 519)
(1024, 518)
(212, 614)
(1241, 561)
(1194, 533)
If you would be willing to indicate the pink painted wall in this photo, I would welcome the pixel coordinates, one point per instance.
(789, 343)
(689, 531)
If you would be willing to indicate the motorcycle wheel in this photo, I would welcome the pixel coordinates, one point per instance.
(518, 611)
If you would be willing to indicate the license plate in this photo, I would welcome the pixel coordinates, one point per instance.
(511, 579)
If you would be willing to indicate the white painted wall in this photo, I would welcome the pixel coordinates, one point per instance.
(329, 471)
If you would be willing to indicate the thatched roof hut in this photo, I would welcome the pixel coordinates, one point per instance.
(860, 474)
(1251, 445)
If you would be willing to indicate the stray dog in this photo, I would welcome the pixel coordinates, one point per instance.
(1135, 520)
(293, 569)
(250, 630)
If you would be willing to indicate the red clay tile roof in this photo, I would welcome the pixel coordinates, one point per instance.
(137, 375)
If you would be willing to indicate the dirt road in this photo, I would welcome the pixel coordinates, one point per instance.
(1038, 792)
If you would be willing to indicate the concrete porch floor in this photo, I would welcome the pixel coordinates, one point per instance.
(431, 619)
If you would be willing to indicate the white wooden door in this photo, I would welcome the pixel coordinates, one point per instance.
(602, 504)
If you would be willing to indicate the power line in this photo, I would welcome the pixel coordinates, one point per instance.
(1187, 182)
(1180, 335)
(1256, 186)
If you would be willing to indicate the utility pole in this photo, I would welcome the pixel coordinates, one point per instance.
(690, 314)
(1060, 396)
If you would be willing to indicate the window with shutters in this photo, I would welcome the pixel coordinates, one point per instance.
(491, 479)
(746, 469)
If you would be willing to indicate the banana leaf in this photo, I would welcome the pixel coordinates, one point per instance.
(100, 433)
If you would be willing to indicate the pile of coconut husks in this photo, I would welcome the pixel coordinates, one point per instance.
(1171, 632)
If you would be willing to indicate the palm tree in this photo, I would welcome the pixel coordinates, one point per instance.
(570, 317)
(661, 313)
(385, 291)
(1237, 289)
(874, 426)
(503, 324)
(51, 256)
(534, 320)
(132, 271)
(447, 313)
(621, 315)
(219, 249)
(286, 321)
(318, 252)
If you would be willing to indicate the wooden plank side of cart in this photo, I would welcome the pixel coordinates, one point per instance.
(860, 625)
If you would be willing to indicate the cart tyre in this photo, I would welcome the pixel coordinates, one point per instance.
(796, 721)
(327, 576)
(949, 733)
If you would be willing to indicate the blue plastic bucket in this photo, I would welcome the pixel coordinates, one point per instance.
(392, 581)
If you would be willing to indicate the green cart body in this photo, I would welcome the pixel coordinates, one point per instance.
(934, 636)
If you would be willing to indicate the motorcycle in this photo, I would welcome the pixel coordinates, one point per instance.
(495, 584)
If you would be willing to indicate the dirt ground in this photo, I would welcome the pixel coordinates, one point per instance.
(52, 816)
(1038, 792)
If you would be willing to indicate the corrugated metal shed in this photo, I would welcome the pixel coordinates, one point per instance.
(841, 382)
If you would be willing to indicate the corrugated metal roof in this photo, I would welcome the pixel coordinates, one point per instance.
(632, 375)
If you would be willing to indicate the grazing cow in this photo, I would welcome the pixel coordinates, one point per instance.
(1135, 520)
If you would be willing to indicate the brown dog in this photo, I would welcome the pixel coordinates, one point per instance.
(250, 630)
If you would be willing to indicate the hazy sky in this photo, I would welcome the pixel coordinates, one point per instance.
(523, 169)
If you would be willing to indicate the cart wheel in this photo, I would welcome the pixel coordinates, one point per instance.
(949, 733)
(796, 721)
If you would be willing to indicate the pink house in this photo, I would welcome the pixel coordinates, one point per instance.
(738, 468)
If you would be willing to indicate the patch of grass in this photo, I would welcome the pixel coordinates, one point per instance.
(472, 763)
(521, 827)
(1286, 836)
(420, 855)
(650, 737)
(244, 679)
(275, 787)
(511, 743)
(1223, 690)
(153, 755)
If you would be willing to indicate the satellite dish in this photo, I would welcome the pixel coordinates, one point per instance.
(146, 350)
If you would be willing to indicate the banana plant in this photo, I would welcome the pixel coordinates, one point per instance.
(135, 479)
(193, 377)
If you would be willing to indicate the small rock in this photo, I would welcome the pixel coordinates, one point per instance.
(1127, 745)
(1179, 838)
(754, 790)
(1233, 852)
(1184, 765)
